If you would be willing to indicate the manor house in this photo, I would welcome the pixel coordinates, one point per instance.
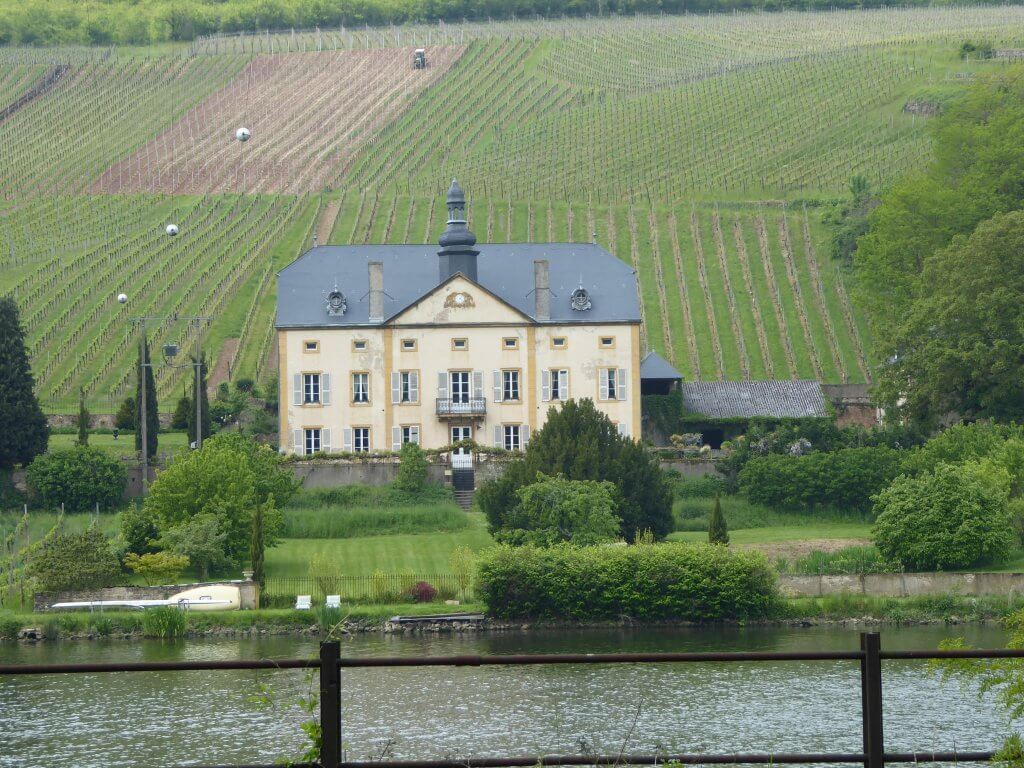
(382, 345)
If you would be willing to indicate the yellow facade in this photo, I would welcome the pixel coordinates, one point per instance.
(459, 327)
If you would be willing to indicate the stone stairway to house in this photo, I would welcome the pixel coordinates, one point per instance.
(464, 498)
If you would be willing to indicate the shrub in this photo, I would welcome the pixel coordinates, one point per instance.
(718, 531)
(182, 412)
(959, 443)
(326, 574)
(554, 510)
(705, 486)
(125, 417)
(157, 567)
(138, 530)
(9, 626)
(855, 560)
(421, 592)
(78, 477)
(847, 478)
(650, 583)
(244, 384)
(412, 469)
(581, 443)
(954, 517)
(75, 561)
(164, 621)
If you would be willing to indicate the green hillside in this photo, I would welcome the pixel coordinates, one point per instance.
(703, 150)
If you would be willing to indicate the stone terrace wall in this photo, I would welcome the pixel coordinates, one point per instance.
(904, 584)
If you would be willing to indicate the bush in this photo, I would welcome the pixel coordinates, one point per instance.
(954, 517)
(846, 478)
(182, 412)
(718, 530)
(164, 621)
(705, 486)
(959, 443)
(75, 561)
(78, 477)
(421, 592)
(554, 510)
(9, 626)
(125, 418)
(412, 469)
(649, 583)
(157, 567)
(855, 560)
(138, 530)
(581, 443)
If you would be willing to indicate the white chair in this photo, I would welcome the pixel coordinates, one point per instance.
(303, 602)
(333, 601)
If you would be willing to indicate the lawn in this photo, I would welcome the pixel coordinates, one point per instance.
(124, 445)
(807, 531)
(424, 554)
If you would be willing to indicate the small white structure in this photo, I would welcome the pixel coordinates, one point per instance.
(172, 229)
(333, 601)
(243, 134)
(303, 602)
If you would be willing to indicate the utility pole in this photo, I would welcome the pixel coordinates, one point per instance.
(199, 382)
(142, 405)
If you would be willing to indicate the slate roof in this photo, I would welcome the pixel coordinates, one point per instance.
(654, 366)
(752, 399)
(411, 271)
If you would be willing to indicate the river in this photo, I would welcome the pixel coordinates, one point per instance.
(158, 719)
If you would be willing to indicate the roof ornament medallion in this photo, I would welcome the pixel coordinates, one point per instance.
(336, 302)
(580, 299)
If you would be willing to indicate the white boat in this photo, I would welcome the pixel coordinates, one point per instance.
(217, 597)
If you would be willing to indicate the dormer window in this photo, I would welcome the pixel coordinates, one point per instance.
(336, 303)
(580, 300)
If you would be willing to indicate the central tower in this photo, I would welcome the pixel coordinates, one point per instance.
(457, 253)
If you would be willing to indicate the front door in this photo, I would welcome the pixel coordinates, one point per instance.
(460, 387)
(461, 433)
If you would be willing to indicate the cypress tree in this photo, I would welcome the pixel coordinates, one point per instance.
(83, 418)
(152, 416)
(257, 545)
(22, 422)
(204, 403)
(718, 531)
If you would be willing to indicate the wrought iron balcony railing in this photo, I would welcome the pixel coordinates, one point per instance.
(452, 408)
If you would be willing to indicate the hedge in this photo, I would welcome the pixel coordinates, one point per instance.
(654, 582)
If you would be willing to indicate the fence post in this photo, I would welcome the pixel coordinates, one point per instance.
(871, 699)
(330, 705)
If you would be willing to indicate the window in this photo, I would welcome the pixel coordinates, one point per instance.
(410, 435)
(510, 343)
(311, 346)
(460, 345)
(361, 439)
(312, 442)
(359, 345)
(510, 385)
(408, 387)
(460, 386)
(311, 388)
(512, 435)
(408, 345)
(559, 342)
(612, 383)
(360, 387)
(559, 384)
(606, 342)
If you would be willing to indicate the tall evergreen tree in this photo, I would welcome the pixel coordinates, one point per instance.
(22, 422)
(83, 418)
(718, 531)
(181, 411)
(204, 403)
(152, 415)
(258, 544)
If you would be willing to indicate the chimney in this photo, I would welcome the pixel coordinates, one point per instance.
(376, 291)
(541, 291)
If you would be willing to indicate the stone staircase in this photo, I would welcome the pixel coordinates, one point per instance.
(465, 499)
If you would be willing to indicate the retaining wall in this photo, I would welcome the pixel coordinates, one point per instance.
(904, 584)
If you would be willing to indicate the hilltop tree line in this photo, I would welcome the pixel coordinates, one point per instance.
(139, 22)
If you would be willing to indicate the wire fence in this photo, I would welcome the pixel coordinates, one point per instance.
(376, 588)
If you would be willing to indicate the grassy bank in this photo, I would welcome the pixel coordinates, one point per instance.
(124, 445)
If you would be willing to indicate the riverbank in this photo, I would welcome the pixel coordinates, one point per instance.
(845, 610)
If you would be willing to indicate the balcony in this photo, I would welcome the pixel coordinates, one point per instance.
(447, 408)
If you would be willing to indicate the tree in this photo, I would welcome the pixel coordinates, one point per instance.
(718, 531)
(139, 530)
(145, 374)
(157, 567)
(75, 561)
(204, 404)
(227, 479)
(412, 469)
(203, 540)
(553, 510)
(78, 477)
(258, 543)
(180, 418)
(961, 343)
(83, 419)
(22, 422)
(954, 517)
(581, 443)
(125, 418)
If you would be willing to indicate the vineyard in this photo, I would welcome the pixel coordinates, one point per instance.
(701, 149)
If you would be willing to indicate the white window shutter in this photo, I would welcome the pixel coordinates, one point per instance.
(499, 436)
(396, 387)
(604, 384)
(346, 436)
(620, 382)
(325, 440)
(414, 435)
(545, 385)
(396, 438)
(524, 435)
(478, 385)
(442, 385)
(414, 387)
(297, 389)
(297, 441)
(623, 429)
(498, 391)
(563, 385)
(325, 389)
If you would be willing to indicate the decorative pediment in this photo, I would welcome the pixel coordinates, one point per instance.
(459, 301)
